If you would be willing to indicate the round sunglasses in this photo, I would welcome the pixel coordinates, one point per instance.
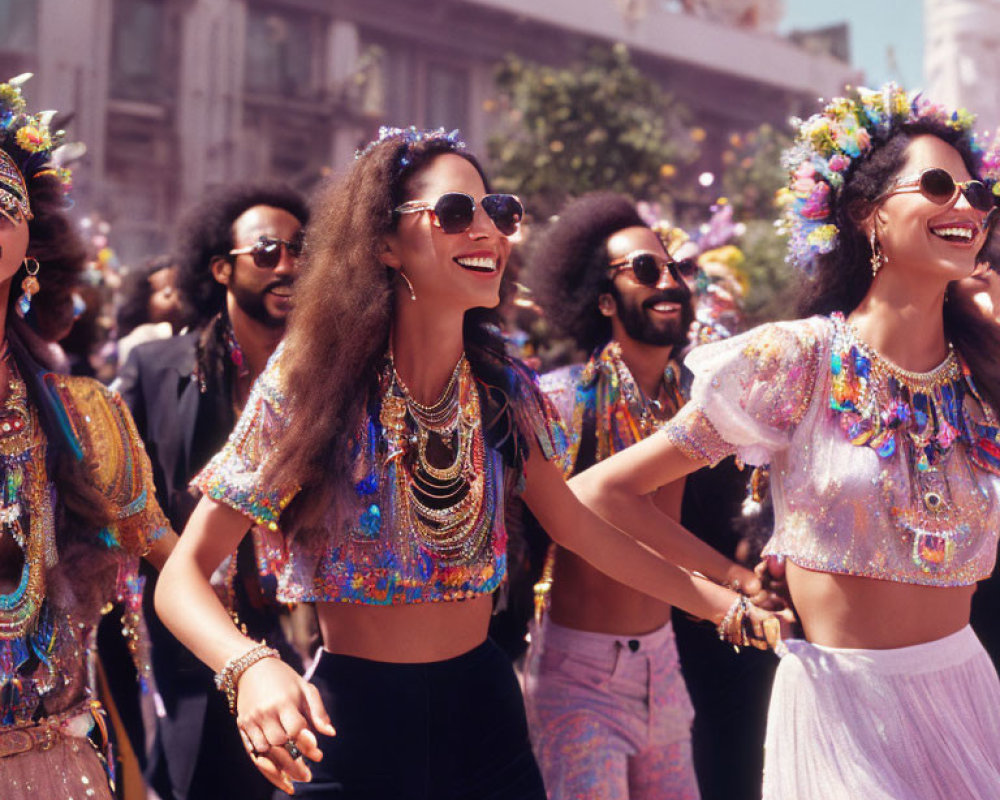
(454, 211)
(938, 186)
(648, 267)
(266, 251)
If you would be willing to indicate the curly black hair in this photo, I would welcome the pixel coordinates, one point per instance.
(206, 231)
(135, 293)
(568, 266)
(843, 276)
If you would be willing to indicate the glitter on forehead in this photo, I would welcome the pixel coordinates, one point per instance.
(13, 192)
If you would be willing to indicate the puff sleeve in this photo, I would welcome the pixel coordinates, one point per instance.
(102, 428)
(750, 392)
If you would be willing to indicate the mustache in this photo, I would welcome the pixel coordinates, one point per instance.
(679, 296)
(280, 282)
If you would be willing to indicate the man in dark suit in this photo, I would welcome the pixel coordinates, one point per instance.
(237, 261)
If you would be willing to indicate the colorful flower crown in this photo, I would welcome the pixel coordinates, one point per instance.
(829, 143)
(411, 136)
(28, 139)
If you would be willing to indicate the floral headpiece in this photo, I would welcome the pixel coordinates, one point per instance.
(28, 148)
(409, 137)
(829, 143)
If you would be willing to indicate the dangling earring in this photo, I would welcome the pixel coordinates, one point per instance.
(878, 257)
(413, 294)
(29, 286)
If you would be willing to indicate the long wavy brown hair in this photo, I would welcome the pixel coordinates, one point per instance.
(338, 334)
(843, 276)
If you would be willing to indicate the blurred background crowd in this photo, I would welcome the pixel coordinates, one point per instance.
(682, 104)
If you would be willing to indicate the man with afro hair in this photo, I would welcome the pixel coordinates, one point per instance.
(237, 261)
(609, 711)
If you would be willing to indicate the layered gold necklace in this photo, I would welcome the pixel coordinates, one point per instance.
(444, 486)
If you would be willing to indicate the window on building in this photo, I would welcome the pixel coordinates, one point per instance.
(18, 25)
(280, 51)
(447, 97)
(139, 54)
(410, 87)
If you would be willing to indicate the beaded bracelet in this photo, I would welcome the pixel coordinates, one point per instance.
(228, 678)
(731, 628)
(737, 628)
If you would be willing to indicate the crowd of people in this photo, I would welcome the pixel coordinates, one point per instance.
(694, 559)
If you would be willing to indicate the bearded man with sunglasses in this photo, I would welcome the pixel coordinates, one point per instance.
(237, 255)
(608, 708)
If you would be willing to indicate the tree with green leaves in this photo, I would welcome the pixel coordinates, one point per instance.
(595, 124)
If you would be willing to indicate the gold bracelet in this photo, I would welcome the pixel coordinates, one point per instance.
(228, 678)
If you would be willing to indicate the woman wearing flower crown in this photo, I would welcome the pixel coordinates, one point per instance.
(878, 420)
(76, 499)
(376, 457)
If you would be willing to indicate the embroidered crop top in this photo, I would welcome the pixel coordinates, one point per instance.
(869, 475)
(381, 555)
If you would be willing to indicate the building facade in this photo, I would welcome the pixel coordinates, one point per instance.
(173, 97)
(962, 56)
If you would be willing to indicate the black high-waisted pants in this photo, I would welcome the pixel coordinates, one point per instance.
(445, 730)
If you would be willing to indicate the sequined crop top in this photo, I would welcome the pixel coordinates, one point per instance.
(381, 555)
(873, 473)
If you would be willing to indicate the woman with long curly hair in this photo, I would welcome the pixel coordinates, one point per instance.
(76, 503)
(878, 418)
(375, 458)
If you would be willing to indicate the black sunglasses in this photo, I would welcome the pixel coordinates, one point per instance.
(647, 267)
(939, 187)
(454, 211)
(266, 251)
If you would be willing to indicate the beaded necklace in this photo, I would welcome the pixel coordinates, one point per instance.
(450, 507)
(919, 416)
(623, 413)
(28, 629)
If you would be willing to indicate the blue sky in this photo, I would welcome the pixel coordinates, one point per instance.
(875, 26)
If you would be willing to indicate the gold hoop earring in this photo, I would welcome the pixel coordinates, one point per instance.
(878, 259)
(29, 286)
(413, 294)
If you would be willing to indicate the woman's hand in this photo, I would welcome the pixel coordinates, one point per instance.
(771, 572)
(276, 706)
(769, 628)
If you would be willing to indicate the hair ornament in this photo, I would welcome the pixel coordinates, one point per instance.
(829, 143)
(410, 136)
(29, 147)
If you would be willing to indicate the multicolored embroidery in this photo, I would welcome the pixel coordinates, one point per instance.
(380, 555)
(43, 645)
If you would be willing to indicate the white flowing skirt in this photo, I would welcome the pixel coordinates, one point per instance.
(914, 723)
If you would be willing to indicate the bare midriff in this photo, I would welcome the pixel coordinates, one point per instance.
(587, 600)
(855, 612)
(416, 633)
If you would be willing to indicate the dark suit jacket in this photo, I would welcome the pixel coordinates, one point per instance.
(183, 427)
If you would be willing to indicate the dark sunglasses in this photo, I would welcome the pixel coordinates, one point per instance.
(939, 187)
(454, 211)
(266, 251)
(647, 267)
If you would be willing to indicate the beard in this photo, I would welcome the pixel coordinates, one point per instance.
(251, 302)
(641, 324)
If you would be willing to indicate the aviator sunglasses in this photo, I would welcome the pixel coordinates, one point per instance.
(648, 267)
(266, 251)
(454, 211)
(939, 187)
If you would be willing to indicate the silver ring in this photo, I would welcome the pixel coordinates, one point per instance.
(293, 749)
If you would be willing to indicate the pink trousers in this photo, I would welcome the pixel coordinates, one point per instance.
(610, 717)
